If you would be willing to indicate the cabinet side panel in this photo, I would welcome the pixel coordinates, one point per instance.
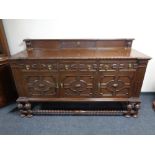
(138, 80)
(17, 75)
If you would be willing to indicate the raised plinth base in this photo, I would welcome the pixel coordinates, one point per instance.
(99, 106)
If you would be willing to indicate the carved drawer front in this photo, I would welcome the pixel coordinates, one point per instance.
(68, 65)
(88, 65)
(28, 65)
(37, 85)
(36, 65)
(115, 84)
(77, 85)
(48, 65)
(118, 65)
(78, 65)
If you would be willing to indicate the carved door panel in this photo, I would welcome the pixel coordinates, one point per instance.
(41, 85)
(115, 84)
(77, 84)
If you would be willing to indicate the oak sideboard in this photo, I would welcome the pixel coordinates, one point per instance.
(79, 77)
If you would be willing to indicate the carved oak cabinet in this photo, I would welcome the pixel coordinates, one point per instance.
(90, 77)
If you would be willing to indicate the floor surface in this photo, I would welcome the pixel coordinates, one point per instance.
(12, 124)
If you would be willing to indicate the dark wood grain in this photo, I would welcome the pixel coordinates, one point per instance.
(79, 71)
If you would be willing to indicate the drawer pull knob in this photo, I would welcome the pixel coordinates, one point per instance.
(27, 67)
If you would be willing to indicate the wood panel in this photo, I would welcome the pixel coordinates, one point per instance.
(85, 43)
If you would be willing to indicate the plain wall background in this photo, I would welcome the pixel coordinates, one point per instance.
(92, 19)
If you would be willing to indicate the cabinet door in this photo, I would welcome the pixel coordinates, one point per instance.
(115, 84)
(41, 84)
(77, 84)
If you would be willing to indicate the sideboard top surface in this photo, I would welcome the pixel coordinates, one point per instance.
(79, 49)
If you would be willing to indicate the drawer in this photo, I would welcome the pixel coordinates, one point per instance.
(36, 65)
(118, 65)
(49, 65)
(88, 65)
(68, 65)
(28, 65)
(81, 65)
